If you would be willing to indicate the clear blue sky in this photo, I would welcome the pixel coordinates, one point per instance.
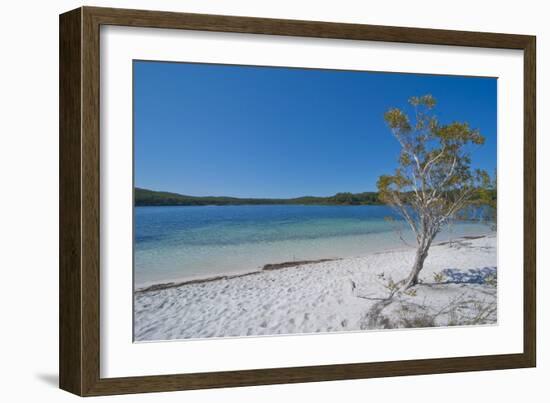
(220, 130)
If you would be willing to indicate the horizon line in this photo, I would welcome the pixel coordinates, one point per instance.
(255, 197)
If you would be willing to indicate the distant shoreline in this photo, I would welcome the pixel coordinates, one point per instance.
(153, 198)
(146, 198)
(258, 204)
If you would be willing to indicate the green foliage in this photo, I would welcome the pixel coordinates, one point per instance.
(144, 197)
(411, 292)
(433, 181)
(353, 198)
(491, 280)
(486, 195)
(391, 286)
(439, 277)
(434, 177)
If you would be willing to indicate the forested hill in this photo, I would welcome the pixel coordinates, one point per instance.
(145, 197)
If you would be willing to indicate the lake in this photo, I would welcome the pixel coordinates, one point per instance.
(184, 242)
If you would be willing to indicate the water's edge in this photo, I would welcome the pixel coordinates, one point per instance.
(275, 266)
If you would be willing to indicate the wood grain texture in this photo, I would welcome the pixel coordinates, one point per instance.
(530, 202)
(70, 273)
(315, 29)
(90, 202)
(80, 200)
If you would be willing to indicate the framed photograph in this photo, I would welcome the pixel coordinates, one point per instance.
(249, 201)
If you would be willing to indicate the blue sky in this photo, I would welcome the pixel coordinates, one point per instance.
(242, 131)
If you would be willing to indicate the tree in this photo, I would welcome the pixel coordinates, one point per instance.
(488, 198)
(434, 179)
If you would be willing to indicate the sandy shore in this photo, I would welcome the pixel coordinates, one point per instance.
(458, 288)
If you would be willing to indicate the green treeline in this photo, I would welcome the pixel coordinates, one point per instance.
(145, 197)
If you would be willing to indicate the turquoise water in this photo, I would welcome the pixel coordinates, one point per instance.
(180, 242)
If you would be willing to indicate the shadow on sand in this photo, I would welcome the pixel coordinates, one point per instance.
(471, 276)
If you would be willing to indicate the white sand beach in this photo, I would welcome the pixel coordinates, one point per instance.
(458, 288)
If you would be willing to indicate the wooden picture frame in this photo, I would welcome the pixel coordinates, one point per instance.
(79, 348)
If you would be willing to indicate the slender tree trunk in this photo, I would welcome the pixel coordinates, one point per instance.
(420, 257)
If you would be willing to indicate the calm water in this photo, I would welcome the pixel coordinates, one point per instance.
(188, 241)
